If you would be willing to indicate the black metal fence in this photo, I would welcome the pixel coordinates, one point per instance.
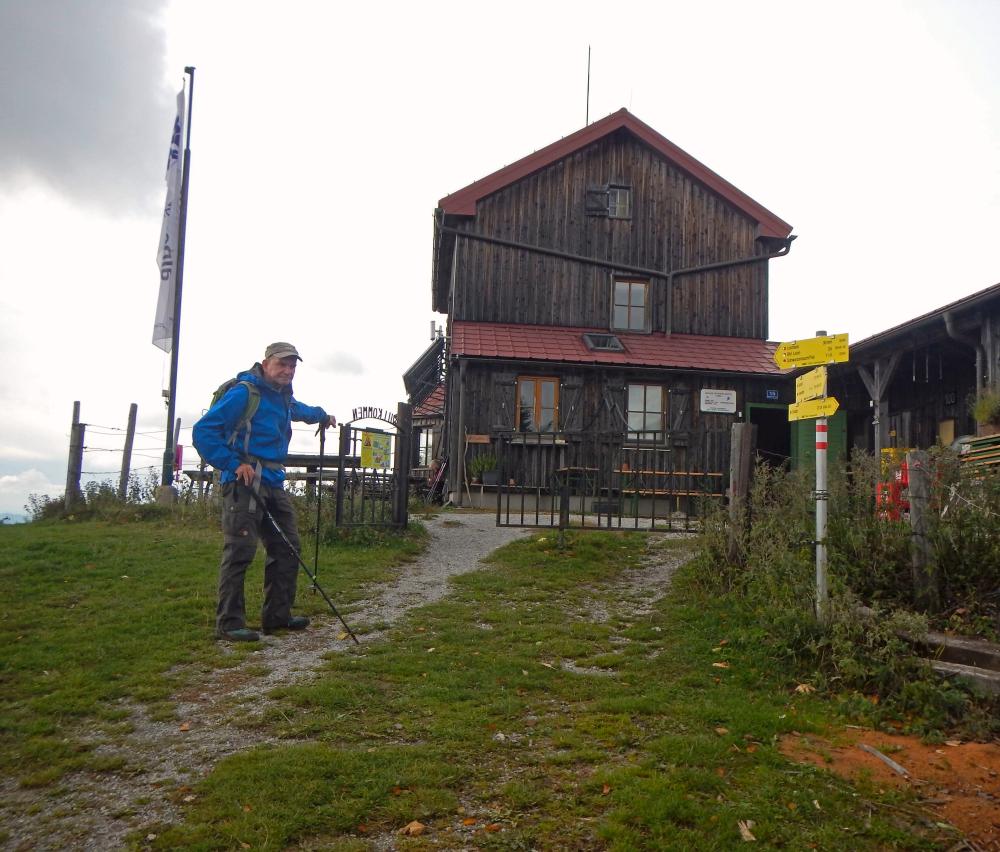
(373, 490)
(601, 481)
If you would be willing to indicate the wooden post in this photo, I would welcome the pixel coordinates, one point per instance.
(742, 446)
(127, 452)
(401, 473)
(924, 574)
(75, 464)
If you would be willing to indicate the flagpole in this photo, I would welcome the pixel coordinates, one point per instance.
(169, 451)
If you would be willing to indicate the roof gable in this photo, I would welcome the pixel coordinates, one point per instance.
(463, 202)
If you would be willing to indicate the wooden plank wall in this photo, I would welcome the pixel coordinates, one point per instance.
(699, 441)
(676, 223)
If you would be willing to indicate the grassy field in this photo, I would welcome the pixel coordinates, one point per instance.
(544, 704)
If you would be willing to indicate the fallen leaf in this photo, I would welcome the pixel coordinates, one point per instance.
(751, 748)
(744, 827)
(469, 821)
(185, 726)
(548, 665)
(190, 798)
(953, 743)
(720, 771)
(413, 829)
(816, 805)
(792, 806)
(247, 809)
(722, 665)
(430, 650)
(150, 837)
(124, 576)
(493, 826)
(722, 731)
(723, 641)
(805, 688)
(605, 790)
(342, 635)
(421, 630)
(362, 828)
(244, 845)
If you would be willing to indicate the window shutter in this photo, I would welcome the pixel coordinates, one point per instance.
(597, 201)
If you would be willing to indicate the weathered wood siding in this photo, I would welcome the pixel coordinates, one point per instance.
(590, 400)
(676, 223)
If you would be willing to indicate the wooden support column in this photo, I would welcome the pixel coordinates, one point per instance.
(742, 446)
(877, 383)
(924, 573)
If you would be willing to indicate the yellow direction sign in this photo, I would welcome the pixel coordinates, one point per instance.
(831, 349)
(811, 385)
(825, 407)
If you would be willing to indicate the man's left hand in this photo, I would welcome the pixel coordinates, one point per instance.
(326, 424)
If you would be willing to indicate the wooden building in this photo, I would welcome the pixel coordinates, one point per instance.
(607, 284)
(912, 386)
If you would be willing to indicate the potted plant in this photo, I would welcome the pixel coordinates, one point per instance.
(483, 468)
(986, 409)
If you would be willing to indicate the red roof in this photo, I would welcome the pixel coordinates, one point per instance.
(433, 406)
(463, 202)
(559, 343)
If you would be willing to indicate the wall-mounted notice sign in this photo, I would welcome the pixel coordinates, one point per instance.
(719, 401)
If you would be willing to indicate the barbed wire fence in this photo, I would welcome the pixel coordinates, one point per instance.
(128, 461)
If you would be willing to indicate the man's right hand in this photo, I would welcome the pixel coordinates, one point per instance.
(245, 474)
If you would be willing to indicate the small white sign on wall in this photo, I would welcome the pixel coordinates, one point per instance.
(720, 401)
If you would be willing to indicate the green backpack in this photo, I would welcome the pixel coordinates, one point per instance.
(253, 402)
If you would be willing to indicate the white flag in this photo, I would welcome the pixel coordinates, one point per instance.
(166, 255)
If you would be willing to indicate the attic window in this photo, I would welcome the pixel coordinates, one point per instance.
(613, 200)
(603, 343)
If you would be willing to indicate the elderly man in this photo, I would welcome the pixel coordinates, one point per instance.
(245, 434)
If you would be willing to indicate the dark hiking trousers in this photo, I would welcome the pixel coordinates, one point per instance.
(242, 529)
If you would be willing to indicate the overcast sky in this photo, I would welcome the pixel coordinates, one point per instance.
(323, 135)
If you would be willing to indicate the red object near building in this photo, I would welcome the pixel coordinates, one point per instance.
(892, 501)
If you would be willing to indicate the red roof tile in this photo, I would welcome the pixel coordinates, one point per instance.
(433, 406)
(559, 343)
(463, 202)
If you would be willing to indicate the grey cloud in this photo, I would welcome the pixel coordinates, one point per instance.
(343, 363)
(83, 104)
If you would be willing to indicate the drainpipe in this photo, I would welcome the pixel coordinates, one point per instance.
(708, 267)
(786, 246)
(954, 334)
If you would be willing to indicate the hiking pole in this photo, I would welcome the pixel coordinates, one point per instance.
(319, 502)
(309, 573)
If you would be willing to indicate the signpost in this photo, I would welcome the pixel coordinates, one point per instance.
(823, 349)
(811, 385)
(811, 401)
(825, 407)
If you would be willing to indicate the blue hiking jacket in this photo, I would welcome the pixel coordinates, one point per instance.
(270, 428)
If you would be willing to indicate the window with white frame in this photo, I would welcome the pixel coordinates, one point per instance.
(537, 404)
(630, 309)
(645, 412)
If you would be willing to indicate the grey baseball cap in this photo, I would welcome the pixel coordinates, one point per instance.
(281, 350)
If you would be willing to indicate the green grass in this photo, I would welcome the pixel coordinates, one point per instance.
(96, 613)
(532, 708)
(467, 719)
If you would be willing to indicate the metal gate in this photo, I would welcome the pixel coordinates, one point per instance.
(372, 477)
(601, 481)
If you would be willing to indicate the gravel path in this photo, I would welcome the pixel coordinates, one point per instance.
(162, 761)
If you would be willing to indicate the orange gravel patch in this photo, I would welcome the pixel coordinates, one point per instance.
(959, 782)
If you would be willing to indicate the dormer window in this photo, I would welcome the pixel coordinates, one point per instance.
(613, 200)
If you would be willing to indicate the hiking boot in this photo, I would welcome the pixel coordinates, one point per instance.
(240, 634)
(295, 622)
